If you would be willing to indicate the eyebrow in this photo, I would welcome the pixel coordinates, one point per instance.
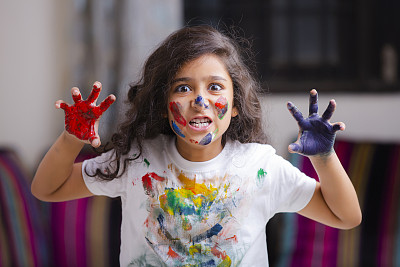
(186, 79)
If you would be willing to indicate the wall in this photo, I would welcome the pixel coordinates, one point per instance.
(34, 73)
(31, 69)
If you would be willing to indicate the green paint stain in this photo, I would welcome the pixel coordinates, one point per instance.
(147, 163)
(261, 176)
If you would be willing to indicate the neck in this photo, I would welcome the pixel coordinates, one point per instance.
(199, 153)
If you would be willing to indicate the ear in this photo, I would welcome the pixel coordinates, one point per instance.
(235, 112)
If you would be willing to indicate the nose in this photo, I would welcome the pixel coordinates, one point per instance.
(200, 103)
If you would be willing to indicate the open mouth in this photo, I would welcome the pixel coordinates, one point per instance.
(200, 123)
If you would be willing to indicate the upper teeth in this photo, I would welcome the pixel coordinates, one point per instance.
(204, 122)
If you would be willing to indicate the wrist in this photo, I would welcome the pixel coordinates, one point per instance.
(323, 156)
(72, 140)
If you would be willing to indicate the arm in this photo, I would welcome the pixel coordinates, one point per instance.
(335, 201)
(58, 178)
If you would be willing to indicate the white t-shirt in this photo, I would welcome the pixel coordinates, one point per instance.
(176, 212)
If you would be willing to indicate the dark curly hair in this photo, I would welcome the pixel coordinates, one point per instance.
(147, 98)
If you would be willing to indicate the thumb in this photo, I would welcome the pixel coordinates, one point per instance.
(95, 141)
(295, 148)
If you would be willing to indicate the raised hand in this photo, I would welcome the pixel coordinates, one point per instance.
(316, 134)
(81, 118)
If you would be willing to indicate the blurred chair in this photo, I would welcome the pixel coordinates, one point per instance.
(375, 173)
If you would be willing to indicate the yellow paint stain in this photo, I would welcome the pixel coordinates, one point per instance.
(195, 249)
(226, 262)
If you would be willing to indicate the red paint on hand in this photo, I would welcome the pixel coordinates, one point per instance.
(81, 117)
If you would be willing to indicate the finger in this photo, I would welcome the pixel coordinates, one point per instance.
(61, 104)
(339, 126)
(295, 112)
(329, 110)
(94, 94)
(106, 103)
(313, 108)
(95, 141)
(295, 148)
(76, 94)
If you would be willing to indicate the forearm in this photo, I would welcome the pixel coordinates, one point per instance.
(56, 166)
(337, 190)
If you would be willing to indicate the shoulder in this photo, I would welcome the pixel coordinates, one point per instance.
(251, 149)
(248, 155)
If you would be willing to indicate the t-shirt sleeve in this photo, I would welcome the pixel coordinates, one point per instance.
(95, 184)
(292, 190)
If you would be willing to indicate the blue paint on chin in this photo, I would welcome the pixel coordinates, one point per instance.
(206, 139)
(177, 130)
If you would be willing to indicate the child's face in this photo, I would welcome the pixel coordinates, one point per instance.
(200, 105)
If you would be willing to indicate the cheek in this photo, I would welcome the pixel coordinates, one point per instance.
(221, 105)
(175, 108)
(177, 130)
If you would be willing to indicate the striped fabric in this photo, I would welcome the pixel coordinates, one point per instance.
(375, 173)
(86, 232)
(83, 233)
(77, 233)
(23, 228)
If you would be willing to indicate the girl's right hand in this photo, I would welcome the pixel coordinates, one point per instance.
(82, 118)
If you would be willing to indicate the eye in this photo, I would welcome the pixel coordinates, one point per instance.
(215, 87)
(182, 88)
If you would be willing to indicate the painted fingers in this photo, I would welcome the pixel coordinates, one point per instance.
(316, 133)
(81, 118)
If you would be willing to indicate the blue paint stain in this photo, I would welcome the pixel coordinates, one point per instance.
(200, 101)
(208, 234)
(208, 263)
(160, 220)
(206, 139)
(177, 130)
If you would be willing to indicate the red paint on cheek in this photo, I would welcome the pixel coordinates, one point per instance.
(174, 108)
(222, 106)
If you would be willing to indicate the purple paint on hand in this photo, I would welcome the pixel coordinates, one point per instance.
(317, 135)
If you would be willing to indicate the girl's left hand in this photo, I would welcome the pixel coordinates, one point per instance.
(316, 133)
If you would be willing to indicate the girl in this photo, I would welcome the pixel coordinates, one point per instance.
(197, 181)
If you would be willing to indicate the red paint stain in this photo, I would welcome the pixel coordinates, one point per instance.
(216, 252)
(147, 183)
(234, 238)
(222, 106)
(174, 107)
(172, 253)
(193, 141)
(81, 117)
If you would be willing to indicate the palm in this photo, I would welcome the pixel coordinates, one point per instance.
(81, 117)
(316, 133)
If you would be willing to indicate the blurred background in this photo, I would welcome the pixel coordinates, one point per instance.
(347, 50)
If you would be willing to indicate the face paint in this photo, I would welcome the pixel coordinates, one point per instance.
(177, 130)
(222, 107)
(199, 101)
(175, 109)
(208, 138)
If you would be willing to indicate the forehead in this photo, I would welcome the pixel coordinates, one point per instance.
(205, 65)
